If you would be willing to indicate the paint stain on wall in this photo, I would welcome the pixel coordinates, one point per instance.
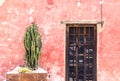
(50, 2)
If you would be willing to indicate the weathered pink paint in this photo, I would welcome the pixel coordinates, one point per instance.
(16, 16)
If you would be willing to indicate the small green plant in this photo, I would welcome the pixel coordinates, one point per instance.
(24, 70)
(33, 45)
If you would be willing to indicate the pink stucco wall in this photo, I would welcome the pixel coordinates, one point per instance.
(16, 16)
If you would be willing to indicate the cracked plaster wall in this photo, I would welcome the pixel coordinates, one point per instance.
(16, 16)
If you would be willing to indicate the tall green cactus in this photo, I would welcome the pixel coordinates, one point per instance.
(33, 45)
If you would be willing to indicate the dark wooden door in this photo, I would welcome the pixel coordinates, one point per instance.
(81, 47)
